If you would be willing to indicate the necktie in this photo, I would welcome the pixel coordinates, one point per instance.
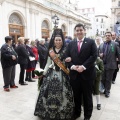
(106, 48)
(79, 43)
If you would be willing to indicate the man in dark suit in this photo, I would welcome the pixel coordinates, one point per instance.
(109, 51)
(114, 38)
(42, 51)
(83, 53)
(23, 57)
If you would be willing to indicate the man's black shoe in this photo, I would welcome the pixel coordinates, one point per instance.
(86, 119)
(107, 95)
(113, 82)
(23, 83)
(99, 106)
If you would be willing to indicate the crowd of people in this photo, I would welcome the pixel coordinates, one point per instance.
(26, 53)
(74, 70)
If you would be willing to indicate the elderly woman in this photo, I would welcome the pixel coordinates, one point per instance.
(35, 51)
(42, 51)
(31, 63)
(22, 59)
(98, 41)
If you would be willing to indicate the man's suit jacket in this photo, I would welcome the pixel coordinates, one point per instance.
(118, 41)
(112, 53)
(86, 57)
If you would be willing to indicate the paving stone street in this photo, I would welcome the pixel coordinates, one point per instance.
(18, 104)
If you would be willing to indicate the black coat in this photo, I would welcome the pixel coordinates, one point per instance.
(31, 64)
(42, 51)
(6, 56)
(86, 57)
(22, 54)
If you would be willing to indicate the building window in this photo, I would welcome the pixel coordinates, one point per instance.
(83, 10)
(101, 26)
(118, 17)
(119, 3)
(101, 32)
(45, 29)
(45, 25)
(102, 20)
(15, 19)
(97, 20)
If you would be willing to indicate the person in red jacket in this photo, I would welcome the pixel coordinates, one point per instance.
(35, 51)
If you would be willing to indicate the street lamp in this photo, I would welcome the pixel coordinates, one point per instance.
(55, 21)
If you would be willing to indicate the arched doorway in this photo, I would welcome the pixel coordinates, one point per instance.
(64, 30)
(45, 29)
(16, 28)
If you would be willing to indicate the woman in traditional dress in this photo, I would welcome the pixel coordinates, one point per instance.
(55, 100)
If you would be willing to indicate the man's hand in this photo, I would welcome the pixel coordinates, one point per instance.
(118, 65)
(101, 55)
(117, 59)
(13, 57)
(68, 59)
(80, 69)
(75, 67)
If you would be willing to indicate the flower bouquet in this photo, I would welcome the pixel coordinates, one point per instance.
(39, 73)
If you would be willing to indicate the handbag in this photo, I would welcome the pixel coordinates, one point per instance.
(31, 58)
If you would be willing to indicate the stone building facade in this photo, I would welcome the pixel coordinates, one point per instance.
(115, 13)
(32, 18)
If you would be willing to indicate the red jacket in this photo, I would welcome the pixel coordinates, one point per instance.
(35, 51)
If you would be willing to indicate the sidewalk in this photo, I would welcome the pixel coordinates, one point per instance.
(18, 104)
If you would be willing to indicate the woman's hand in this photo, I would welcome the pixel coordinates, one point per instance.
(40, 76)
(68, 59)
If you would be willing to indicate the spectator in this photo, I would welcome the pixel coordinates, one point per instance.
(47, 40)
(8, 61)
(35, 51)
(31, 64)
(99, 70)
(115, 39)
(42, 51)
(68, 40)
(109, 51)
(22, 59)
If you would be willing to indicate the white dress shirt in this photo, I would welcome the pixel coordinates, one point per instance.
(80, 47)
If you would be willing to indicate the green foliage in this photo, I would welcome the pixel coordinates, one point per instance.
(39, 73)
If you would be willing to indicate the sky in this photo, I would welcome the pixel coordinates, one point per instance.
(101, 6)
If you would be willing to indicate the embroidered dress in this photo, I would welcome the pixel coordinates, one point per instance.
(55, 100)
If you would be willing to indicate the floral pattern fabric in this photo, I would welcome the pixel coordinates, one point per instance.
(55, 100)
